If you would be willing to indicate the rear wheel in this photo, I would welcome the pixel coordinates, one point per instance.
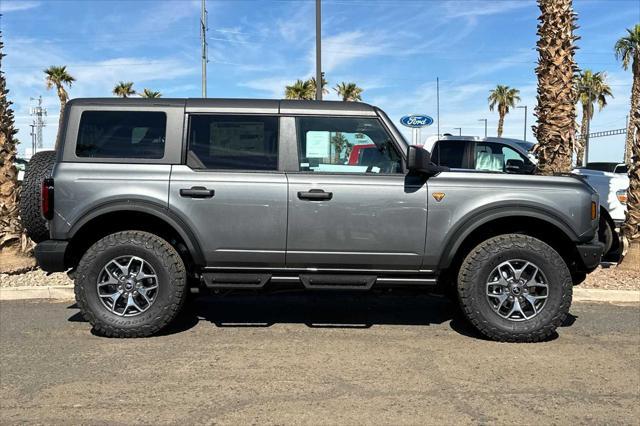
(40, 167)
(130, 284)
(515, 288)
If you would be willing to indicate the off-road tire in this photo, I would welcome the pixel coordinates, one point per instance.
(172, 288)
(482, 260)
(40, 167)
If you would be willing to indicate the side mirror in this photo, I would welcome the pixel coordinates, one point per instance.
(419, 160)
(514, 166)
(519, 166)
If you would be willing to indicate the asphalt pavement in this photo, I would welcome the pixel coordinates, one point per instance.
(310, 358)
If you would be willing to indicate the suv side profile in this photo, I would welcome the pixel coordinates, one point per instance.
(151, 199)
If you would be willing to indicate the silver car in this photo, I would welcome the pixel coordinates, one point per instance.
(151, 199)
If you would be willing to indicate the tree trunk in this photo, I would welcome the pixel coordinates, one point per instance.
(62, 95)
(580, 142)
(635, 106)
(556, 109)
(631, 226)
(500, 125)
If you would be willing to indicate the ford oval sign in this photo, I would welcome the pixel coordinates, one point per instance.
(416, 121)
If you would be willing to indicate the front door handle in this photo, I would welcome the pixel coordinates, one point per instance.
(197, 192)
(315, 195)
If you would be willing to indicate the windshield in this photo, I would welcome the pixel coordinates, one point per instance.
(528, 146)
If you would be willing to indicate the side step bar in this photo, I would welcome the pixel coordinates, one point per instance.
(337, 282)
(310, 281)
(216, 280)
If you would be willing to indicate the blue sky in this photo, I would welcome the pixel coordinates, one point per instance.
(393, 49)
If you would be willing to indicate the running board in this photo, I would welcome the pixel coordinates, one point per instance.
(232, 280)
(337, 282)
(310, 281)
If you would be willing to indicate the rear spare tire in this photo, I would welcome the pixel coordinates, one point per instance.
(40, 167)
(515, 288)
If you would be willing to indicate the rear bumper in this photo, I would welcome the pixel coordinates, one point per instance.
(50, 255)
(590, 255)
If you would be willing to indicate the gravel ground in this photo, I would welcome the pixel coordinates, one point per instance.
(606, 278)
(35, 278)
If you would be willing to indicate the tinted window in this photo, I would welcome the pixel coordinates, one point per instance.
(450, 154)
(233, 142)
(121, 134)
(346, 145)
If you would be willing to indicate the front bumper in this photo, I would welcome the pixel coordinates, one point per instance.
(50, 255)
(590, 254)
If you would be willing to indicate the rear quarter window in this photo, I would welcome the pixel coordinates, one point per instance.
(122, 134)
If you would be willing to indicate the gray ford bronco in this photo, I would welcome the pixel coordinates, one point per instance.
(145, 201)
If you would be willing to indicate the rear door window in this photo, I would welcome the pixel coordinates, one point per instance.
(233, 142)
(122, 134)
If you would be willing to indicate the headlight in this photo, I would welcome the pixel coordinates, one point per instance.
(622, 196)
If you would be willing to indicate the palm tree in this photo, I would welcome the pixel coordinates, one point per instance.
(299, 90)
(58, 77)
(312, 83)
(627, 49)
(590, 88)
(148, 93)
(11, 232)
(505, 97)
(124, 89)
(556, 109)
(349, 92)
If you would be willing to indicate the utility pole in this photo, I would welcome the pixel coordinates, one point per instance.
(318, 51)
(485, 126)
(438, 104)
(203, 41)
(525, 121)
(38, 113)
(459, 129)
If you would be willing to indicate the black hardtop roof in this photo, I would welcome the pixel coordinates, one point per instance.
(264, 105)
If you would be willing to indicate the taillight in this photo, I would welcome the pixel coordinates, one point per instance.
(46, 196)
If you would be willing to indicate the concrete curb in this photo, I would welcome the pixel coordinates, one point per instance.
(66, 293)
(601, 295)
(40, 292)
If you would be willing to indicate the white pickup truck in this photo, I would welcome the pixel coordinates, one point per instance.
(514, 156)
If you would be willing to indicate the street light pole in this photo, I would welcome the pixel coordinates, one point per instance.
(485, 126)
(525, 121)
(318, 50)
(459, 129)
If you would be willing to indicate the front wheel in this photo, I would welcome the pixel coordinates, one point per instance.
(130, 284)
(515, 288)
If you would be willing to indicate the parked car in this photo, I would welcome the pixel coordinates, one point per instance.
(21, 165)
(515, 156)
(607, 167)
(150, 199)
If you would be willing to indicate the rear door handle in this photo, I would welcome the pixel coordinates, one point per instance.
(315, 195)
(197, 192)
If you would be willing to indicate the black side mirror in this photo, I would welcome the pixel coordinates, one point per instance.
(419, 160)
(514, 166)
(519, 166)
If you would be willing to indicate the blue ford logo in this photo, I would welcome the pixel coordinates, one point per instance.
(416, 121)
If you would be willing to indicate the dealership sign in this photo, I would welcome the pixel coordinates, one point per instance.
(416, 121)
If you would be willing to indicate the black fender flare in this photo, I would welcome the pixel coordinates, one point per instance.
(473, 220)
(148, 207)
